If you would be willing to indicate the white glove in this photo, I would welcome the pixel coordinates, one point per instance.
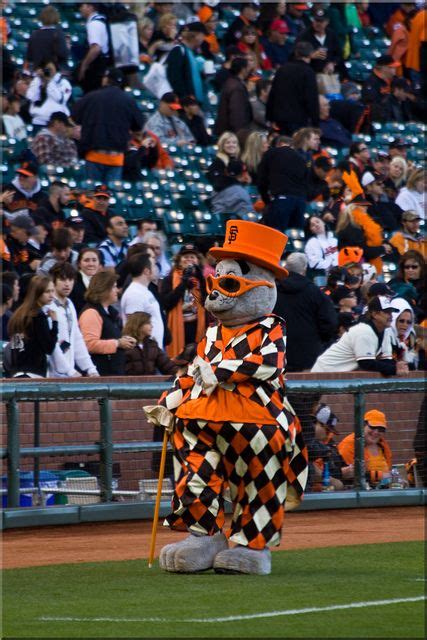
(160, 417)
(204, 376)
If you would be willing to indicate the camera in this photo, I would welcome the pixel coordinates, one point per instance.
(188, 271)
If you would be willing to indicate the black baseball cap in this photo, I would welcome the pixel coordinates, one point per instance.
(386, 61)
(381, 289)
(341, 293)
(74, 222)
(381, 303)
(397, 143)
(319, 15)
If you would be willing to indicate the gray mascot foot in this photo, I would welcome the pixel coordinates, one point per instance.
(195, 553)
(243, 560)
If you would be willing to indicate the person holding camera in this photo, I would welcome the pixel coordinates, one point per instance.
(48, 93)
(182, 294)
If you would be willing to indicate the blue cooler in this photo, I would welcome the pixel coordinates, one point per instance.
(26, 479)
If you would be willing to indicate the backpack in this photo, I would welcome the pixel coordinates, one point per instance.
(123, 41)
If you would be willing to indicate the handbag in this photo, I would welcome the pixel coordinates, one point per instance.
(156, 80)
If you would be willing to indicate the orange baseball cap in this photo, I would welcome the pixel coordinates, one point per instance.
(376, 418)
(255, 242)
(172, 100)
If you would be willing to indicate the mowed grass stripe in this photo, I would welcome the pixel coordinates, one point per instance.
(303, 579)
(254, 616)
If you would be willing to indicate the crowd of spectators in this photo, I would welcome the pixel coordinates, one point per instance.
(265, 90)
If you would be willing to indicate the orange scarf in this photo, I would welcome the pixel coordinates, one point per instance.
(176, 320)
(373, 234)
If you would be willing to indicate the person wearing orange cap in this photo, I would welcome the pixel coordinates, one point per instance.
(25, 191)
(210, 47)
(378, 456)
(232, 425)
(166, 124)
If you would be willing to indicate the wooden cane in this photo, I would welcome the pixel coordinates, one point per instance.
(158, 496)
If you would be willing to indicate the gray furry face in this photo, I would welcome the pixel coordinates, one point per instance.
(241, 310)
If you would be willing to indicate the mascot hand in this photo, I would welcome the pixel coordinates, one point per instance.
(160, 417)
(204, 376)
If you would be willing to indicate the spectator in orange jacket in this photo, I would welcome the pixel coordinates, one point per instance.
(410, 237)
(378, 456)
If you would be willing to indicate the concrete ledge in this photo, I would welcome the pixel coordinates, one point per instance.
(29, 517)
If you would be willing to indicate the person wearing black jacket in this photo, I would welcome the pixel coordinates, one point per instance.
(33, 333)
(324, 41)
(378, 86)
(311, 320)
(282, 183)
(195, 122)
(106, 117)
(234, 109)
(248, 15)
(293, 101)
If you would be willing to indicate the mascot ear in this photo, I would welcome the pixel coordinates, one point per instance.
(244, 267)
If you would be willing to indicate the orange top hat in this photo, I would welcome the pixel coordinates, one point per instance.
(255, 242)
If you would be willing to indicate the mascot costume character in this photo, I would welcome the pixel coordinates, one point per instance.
(234, 433)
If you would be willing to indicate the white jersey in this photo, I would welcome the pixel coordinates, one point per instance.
(358, 343)
(138, 297)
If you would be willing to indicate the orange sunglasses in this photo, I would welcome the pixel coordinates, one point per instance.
(234, 286)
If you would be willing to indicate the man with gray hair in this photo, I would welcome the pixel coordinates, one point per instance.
(310, 316)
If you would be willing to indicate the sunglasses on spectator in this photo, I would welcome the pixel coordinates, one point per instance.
(379, 429)
(411, 266)
(234, 286)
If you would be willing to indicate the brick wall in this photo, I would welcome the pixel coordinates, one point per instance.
(77, 422)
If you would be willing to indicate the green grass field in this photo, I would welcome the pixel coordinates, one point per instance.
(126, 599)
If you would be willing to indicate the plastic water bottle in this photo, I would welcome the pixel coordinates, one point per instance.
(326, 477)
(396, 480)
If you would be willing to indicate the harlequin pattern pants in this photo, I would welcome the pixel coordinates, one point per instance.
(250, 460)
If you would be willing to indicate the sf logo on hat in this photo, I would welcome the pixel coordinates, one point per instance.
(234, 229)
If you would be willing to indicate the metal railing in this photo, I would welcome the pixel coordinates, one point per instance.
(14, 393)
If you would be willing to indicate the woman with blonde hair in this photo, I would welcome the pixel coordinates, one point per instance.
(228, 149)
(397, 175)
(164, 37)
(255, 147)
(412, 197)
(356, 228)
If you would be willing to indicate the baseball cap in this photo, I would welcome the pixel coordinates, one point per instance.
(28, 169)
(301, 6)
(75, 222)
(101, 191)
(23, 221)
(386, 61)
(397, 143)
(116, 75)
(375, 418)
(409, 216)
(325, 416)
(381, 154)
(381, 289)
(172, 100)
(349, 254)
(371, 176)
(341, 293)
(188, 248)
(381, 303)
(279, 25)
(319, 15)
